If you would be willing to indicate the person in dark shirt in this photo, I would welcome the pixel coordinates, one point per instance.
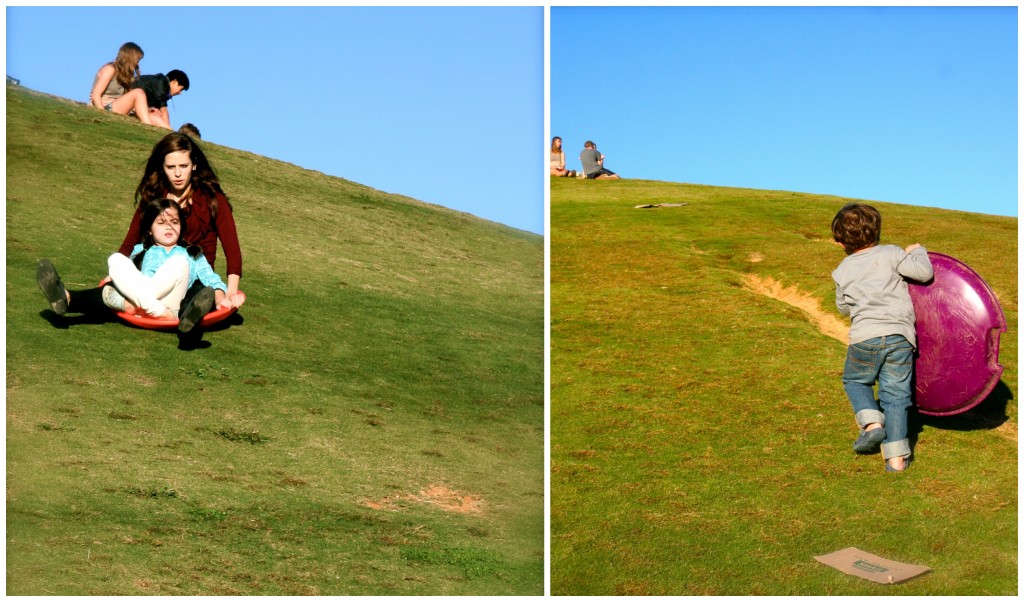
(159, 89)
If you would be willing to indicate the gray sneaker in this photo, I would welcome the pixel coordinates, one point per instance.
(869, 441)
(52, 287)
(112, 298)
(198, 307)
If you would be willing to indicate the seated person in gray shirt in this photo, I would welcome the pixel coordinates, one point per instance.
(593, 163)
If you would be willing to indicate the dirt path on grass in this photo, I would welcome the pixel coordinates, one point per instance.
(826, 322)
(436, 495)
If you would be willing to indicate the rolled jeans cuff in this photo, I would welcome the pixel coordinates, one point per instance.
(896, 449)
(866, 417)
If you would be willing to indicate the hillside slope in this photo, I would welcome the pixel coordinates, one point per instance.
(700, 435)
(373, 423)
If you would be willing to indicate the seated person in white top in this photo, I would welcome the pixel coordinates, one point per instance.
(111, 88)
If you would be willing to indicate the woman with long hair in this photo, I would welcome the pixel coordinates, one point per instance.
(112, 87)
(177, 169)
(558, 160)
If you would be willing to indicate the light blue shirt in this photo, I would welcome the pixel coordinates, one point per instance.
(199, 268)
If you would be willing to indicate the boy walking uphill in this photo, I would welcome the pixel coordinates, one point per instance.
(870, 288)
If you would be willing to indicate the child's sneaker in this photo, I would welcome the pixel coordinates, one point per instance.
(53, 288)
(869, 441)
(112, 298)
(906, 465)
(198, 307)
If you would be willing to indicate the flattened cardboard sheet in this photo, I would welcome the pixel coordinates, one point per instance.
(873, 568)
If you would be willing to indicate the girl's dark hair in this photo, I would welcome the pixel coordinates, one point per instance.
(154, 183)
(152, 210)
(857, 227)
(553, 149)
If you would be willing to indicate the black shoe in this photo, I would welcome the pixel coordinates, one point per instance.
(199, 306)
(53, 288)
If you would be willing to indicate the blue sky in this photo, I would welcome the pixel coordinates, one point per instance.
(910, 105)
(445, 105)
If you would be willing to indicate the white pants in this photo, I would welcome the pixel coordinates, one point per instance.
(156, 294)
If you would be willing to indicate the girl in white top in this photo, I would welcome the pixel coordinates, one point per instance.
(558, 160)
(111, 89)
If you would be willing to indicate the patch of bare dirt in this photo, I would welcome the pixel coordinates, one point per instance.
(827, 323)
(1008, 430)
(755, 257)
(444, 498)
(452, 501)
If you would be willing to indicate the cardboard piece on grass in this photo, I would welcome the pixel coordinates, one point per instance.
(873, 568)
(661, 205)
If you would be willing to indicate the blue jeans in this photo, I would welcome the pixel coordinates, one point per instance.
(890, 361)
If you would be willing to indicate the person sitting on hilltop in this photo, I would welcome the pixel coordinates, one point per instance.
(190, 130)
(593, 163)
(558, 160)
(112, 87)
(159, 89)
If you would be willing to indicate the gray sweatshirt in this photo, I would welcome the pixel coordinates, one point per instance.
(870, 288)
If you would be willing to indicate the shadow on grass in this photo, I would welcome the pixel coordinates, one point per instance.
(232, 320)
(190, 341)
(194, 340)
(64, 322)
(987, 415)
(186, 341)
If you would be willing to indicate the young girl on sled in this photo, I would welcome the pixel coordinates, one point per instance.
(179, 170)
(161, 269)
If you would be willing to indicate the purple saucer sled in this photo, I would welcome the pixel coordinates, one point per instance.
(958, 324)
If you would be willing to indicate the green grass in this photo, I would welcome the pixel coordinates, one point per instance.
(390, 356)
(700, 435)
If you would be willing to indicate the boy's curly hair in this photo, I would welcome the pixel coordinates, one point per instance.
(857, 227)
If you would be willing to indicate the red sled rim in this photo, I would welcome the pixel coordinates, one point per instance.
(149, 323)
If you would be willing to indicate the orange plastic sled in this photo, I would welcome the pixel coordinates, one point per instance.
(153, 324)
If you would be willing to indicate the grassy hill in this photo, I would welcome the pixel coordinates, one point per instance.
(700, 435)
(373, 423)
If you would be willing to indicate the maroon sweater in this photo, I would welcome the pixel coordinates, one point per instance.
(201, 229)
